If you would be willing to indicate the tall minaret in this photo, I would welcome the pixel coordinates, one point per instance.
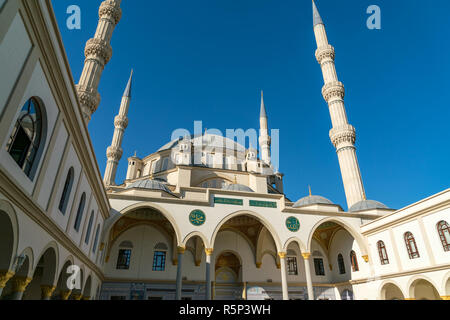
(115, 152)
(343, 135)
(264, 138)
(98, 52)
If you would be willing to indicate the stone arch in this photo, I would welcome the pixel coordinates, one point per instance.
(300, 244)
(44, 273)
(143, 205)
(212, 176)
(9, 236)
(252, 214)
(350, 229)
(27, 267)
(196, 234)
(61, 286)
(390, 290)
(237, 273)
(423, 288)
(446, 284)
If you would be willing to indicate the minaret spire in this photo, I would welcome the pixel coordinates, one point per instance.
(316, 16)
(98, 52)
(264, 138)
(115, 152)
(343, 135)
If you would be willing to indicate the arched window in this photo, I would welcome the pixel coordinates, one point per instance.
(25, 140)
(89, 229)
(159, 257)
(354, 260)
(97, 233)
(341, 264)
(444, 233)
(124, 257)
(64, 201)
(384, 258)
(80, 212)
(411, 245)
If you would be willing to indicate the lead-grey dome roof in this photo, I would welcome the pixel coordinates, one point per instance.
(238, 187)
(310, 200)
(150, 185)
(367, 205)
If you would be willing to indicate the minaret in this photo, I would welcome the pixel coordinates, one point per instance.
(343, 135)
(98, 52)
(115, 152)
(264, 138)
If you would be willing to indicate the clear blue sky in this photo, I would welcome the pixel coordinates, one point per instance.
(208, 60)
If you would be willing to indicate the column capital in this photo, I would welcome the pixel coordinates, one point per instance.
(258, 265)
(282, 255)
(21, 283)
(306, 255)
(445, 298)
(181, 250)
(410, 299)
(5, 276)
(47, 291)
(366, 258)
(86, 298)
(209, 251)
(77, 296)
(65, 294)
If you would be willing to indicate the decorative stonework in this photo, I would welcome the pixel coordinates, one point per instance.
(344, 134)
(325, 53)
(89, 99)
(110, 8)
(282, 255)
(366, 258)
(20, 284)
(445, 298)
(98, 49)
(65, 294)
(47, 291)
(306, 255)
(121, 122)
(5, 276)
(333, 90)
(209, 252)
(181, 250)
(114, 153)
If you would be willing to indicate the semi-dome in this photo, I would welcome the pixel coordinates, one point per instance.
(311, 200)
(367, 205)
(237, 187)
(149, 185)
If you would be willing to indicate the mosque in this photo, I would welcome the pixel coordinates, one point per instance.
(203, 217)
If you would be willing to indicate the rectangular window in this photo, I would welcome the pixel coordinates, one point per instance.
(318, 265)
(159, 261)
(292, 266)
(123, 261)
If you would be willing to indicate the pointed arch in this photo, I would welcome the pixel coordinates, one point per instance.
(414, 281)
(390, 290)
(196, 234)
(300, 244)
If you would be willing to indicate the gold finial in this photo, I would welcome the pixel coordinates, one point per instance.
(310, 192)
(235, 179)
(135, 154)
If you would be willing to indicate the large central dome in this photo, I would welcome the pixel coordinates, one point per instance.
(207, 140)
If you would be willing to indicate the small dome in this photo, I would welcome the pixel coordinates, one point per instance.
(237, 187)
(150, 185)
(310, 200)
(367, 205)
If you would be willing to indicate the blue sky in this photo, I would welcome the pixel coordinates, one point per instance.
(209, 60)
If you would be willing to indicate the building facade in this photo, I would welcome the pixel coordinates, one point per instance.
(204, 217)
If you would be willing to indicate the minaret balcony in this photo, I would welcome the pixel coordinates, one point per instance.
(325, 54)
(333, 90)
(110, 9)
(345, 134)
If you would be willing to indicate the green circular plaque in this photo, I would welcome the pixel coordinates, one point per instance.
(197, 218)
(293, 224)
